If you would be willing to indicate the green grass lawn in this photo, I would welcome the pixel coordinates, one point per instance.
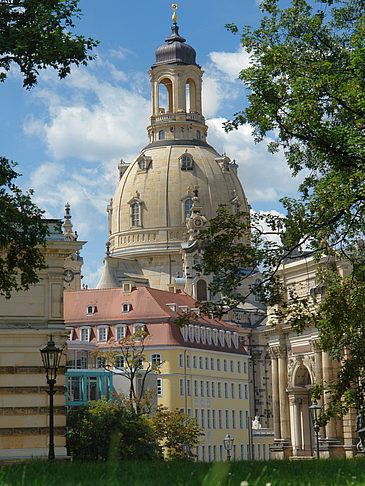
(296, 473)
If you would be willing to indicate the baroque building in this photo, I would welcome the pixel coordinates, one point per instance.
(297, 363)
(174, 186)
(27, 320)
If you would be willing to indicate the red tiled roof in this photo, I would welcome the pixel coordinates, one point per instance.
(148, 306)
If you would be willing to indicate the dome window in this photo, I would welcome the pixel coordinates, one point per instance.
(186, 162)
(198, 135)
(188, 204)
(136, 211)
(136, 216)
(161, 135)
(144, 164)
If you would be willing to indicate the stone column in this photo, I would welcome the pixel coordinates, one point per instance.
(327, 375)
(296, 425)
(283, 396)
(275, 393)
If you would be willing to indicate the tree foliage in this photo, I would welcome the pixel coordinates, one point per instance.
(172, 429)
(36, 34)
(306, 83)
(105, 430)
(127, 359)
(21, 231)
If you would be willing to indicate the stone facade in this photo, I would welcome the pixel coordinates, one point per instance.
(26, 322)
(297, 363)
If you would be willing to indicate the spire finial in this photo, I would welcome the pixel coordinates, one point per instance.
(174, 15)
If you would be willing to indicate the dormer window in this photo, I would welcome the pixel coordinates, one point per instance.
(135, 213)
(121, 332)
(184, 308)
(184, 332)
(215, 336)
(91, 309)
(135, 205)
(191, 333)
(172, 307)
(209, 335)
(186, 162)
(203, 334)
(221, 337)
(85, 334)
(235, 340)
(126, 308)
(197, 334)
(102, 334)
(144, 163)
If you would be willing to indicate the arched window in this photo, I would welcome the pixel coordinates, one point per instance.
(165, 97)
(161, 135)
(188, 204)
(201, 290)
(198, 135)
(186, 162)
(209, 335)
(136, 214)
(197, 334)
(191, 96)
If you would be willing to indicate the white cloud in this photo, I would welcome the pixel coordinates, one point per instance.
(265, 177)
(231, 63)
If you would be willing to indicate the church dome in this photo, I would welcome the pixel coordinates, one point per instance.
(175, 185)
(175, 50)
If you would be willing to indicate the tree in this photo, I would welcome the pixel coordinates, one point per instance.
(105, 429)
(21, 231)
(306, 86)
(126, 358)
(172, 429)
(34, 35)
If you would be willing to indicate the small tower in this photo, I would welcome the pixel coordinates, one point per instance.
(176, 75)
(73, 263)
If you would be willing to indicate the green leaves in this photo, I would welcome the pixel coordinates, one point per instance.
(38, 35)
(22, 230)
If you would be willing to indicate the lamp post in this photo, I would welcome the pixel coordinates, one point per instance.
(315, 409)
(51, 356)
(228, 444)
(185, 446)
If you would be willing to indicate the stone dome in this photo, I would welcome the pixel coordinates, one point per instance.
(161, 187)
(175, 50)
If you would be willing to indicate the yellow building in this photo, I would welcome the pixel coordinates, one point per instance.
(204, 369)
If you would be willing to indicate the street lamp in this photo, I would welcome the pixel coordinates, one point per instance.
(315, 410)
(51, 356)
(185, 446)
(228, 444)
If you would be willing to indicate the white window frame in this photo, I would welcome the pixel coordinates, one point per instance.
(91, 310)
(203, 334)
(159, 387)
(191, 333)
(88, 334)
(197, 334)
(154, 361)
(209, 335)
(102, 339)
(184, 332)
(228, 338)
(121, 329)
(215, 337)
(221, 337)
(126, 307)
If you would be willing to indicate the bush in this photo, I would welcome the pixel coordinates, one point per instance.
(105, 429)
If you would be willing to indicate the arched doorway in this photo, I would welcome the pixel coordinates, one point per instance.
(201, 290)
(300, 420)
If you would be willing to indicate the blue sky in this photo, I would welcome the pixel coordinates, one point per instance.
(68, 136)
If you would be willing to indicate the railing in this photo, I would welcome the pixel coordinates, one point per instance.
(163, 117)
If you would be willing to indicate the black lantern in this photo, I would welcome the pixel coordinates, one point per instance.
(315, 410)
(51, 356)
(185, 446)
(228, 444)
